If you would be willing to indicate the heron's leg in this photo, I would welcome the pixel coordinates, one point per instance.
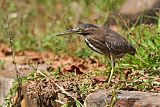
(112, 64)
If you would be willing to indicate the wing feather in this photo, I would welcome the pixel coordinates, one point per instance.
(117, 44)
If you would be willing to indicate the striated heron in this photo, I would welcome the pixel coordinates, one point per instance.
(104, 41)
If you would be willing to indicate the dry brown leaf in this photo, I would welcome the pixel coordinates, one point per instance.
(100, 78)
(71, 68)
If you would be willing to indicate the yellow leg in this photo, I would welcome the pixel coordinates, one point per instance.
(111, 73)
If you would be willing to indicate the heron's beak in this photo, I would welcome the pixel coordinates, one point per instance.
(68, 32)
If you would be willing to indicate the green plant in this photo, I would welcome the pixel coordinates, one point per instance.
(147, 46)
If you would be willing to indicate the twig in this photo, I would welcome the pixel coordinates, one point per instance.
(11, 41)
(64, 91)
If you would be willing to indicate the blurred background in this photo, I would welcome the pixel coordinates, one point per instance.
(34, 23)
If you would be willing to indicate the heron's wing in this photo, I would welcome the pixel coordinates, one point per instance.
(117, 44)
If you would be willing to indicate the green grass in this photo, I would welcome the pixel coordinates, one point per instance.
(146, 62)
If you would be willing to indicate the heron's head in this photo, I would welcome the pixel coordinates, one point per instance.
(83, 29)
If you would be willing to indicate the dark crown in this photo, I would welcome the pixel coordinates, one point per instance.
(86, 26)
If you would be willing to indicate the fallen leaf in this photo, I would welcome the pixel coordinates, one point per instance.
(71, 68)
(100, 78)
(76, 69)
(6, 51)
